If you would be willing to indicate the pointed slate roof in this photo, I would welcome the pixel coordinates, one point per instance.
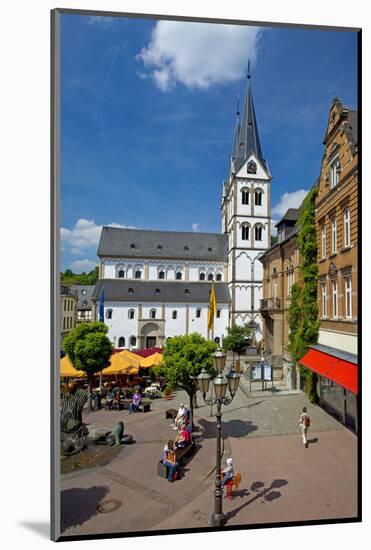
(248, 136)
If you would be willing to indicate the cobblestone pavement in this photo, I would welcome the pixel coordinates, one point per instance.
(281, 480)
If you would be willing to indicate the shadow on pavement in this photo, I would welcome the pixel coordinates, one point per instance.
(231, 428)
(314, 440)
(79, 505)
(267, 494)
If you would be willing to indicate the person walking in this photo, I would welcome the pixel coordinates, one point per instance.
(304, 423)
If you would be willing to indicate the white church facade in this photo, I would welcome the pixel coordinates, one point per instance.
(157, 283)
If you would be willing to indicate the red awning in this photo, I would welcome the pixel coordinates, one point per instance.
(340, 371)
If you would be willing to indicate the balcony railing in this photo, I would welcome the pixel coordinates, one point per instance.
(270, 303)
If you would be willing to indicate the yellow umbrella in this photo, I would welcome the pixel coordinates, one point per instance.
(132, 358)
(67, 370)
(118, 364)
(152, 360)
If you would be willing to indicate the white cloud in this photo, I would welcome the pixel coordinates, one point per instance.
(196, 227)
(289, 200)
(198, 55)
(83, 235)
(82, 265)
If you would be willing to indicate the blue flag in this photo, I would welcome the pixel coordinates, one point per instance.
(101, 306)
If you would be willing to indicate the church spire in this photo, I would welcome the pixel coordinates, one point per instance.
(237, 131)
(249, 141)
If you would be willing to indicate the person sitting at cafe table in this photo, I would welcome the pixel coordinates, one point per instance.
(169, 459)
(109, 399)
(183, 438)
(134, 406)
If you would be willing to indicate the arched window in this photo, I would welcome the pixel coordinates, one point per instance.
(198, 312)
(138, 274)
(258, 233)
(131, 314)
(121, 274)
(175, 314)
(245, 230)
(202, 276)
(161, 274)
(258, 197)
(109, 314)
(217, 340)
(133, 341)
(218, 276)
(245, 196)
(346, 227)
(218, 313)
(130, 290)
(210, 277)
(178, 276)
(121, 343)
(152, 314)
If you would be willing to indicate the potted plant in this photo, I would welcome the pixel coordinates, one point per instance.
(168, 391)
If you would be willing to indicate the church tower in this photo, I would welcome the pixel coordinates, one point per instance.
(246, 218)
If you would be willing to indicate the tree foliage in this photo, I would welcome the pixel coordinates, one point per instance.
(183, 359)
(303, 312)
(238, 339)
(88, 348)
(71, 278)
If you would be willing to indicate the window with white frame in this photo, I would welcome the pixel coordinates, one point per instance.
(218, 276)
(210, 277)
(258, 233)
(335, 308)
(178, 276)
(121, 343)
(202, 276)
(258, 197)
(175, 314)
(334, 172)
(161, 274)
(131, 314)
(133, 341)
(152, 314)
(346, 227)
(245, 232)
(109, 314)
(333, 236)
(324, 300)
(138, 274)
(121, 274)
(348, 297)
(245, 196)
(198, 312)
(323, 241)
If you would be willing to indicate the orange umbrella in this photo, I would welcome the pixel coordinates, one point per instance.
(132, 358)
(152, 360)
(118, 364)
(67, 370)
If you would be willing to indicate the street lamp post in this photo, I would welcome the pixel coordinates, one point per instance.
(220, 383)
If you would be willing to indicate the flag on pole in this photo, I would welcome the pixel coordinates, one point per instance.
(101, 306)
(212, 309)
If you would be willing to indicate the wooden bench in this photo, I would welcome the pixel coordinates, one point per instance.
(145, 406)
(171, 413)
(183, 456)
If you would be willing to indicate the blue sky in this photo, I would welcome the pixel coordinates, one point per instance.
(148, 112)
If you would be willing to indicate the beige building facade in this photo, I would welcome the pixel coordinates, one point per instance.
(68, 310)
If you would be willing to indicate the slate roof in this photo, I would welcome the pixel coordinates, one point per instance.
(117, 290)
(353, 125)
(248, 135)
(339, 354)
(84, 294)
(143, 243)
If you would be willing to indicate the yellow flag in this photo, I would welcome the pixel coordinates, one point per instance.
(212, 309)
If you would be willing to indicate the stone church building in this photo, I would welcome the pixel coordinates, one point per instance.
(157, 283)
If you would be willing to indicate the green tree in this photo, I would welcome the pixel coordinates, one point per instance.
(238, 339)
(89, 349)
(303, 311)
(183, 359)
(71, 278)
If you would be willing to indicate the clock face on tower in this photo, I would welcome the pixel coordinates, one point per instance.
(251, 167)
